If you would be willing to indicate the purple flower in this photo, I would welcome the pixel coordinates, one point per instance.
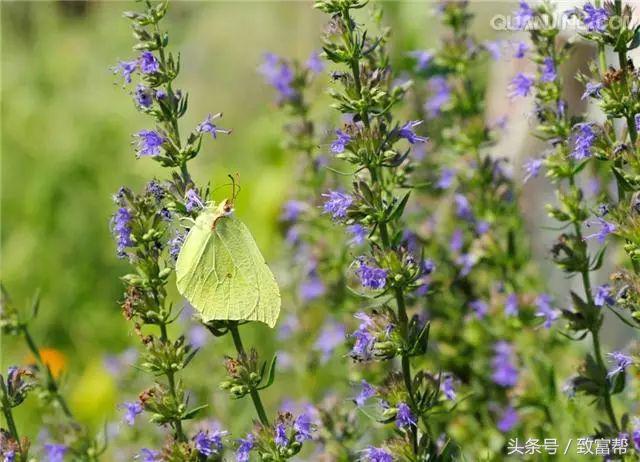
(366, 392)
(55, 452)
(480, 308)
(508, 419)
(482, 227)
(9, 455)
(622, 362)
(447, 388)
(457, 241)
(175, 244)
(466, 261)
(463, 207)
(340, 143)
(423, 59)
(244, 448)
(314, 63)
(372, 454)
(407, 132)
(592, 90)
(330, 337)
(511, 305)
(594, 18)
(404, 417)
(494, 47)
(193, 201)
(505, 372)
(606, 228)
(635, 436)
(371, 277)
(520, 85)
(545, 310)
(364, 341)
(292, 210)
(521, 49)
(278, 74)
(126, 68)
(281, 439)
(336, 204)
(358, 234)
(583, 138)
(198, 336)
(148, 63)
(149, 143)
(532, 168)
(207, 126)
(143, 96)
(636, 121)
(149, 455)
(117, 364)
(156, 190)
(603, 296)
(288, 327)
(132, 410)
(209, 443)
(523, 15)
(548, 70)
(312, 287)
(447, 175)
(440, 96)
(303, 427)
(121, 228)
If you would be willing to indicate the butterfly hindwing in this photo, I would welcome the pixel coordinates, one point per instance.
(222, 273)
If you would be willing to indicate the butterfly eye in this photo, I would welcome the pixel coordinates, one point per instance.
(227, 207)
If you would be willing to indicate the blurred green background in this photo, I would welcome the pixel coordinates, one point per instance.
(66, 134)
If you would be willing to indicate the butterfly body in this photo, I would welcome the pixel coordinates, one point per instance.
(222, 273)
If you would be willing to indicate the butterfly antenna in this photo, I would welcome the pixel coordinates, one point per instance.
(235, 186)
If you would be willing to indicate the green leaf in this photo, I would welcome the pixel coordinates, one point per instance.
(399, 208)
(191, 413)
(272, 374)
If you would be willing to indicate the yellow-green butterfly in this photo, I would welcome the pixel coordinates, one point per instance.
(222, 273)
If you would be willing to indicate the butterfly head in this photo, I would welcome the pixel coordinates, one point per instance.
(224, 208)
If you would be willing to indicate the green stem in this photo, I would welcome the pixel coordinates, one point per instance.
(595, 335)
(177, 423)
(8, 415)
(52, 384)
(607, 396)
(255, 396)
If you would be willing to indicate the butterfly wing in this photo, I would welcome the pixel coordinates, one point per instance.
(221, 272)
(254, 288)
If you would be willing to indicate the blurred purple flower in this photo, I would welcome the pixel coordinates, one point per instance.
(582, 139)
(621, 360)
(520, 85)
(480, 308)
(314, 63)
(366, 391)
(603, 296)
(546, 310)
(606, 228)
(131, 410)
(440, 96)
(592, 90)
(340, 143)
(548, 70)
(373, 454)
(511, 305)
(55, 452)
(505, 372)
(447, 175)
(423, 59)
(508, 419)
(331, 336)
